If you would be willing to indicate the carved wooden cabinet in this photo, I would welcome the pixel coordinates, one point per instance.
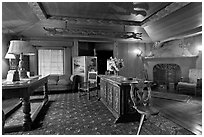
(115, 95)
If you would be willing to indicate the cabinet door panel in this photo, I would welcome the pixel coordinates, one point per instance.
(110, 95)
(116, 99)
(103, 90)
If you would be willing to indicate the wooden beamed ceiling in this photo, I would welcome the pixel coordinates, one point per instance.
(156, 21)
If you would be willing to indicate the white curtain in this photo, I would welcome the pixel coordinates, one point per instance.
(50, 61)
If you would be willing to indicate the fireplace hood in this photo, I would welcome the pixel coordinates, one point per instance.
(169, 58)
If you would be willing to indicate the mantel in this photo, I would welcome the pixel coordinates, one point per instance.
(163, 58)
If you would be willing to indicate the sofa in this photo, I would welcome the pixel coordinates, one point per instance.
(193, 83)
(58, 83)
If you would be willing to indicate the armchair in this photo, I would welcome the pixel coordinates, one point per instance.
(193, 83)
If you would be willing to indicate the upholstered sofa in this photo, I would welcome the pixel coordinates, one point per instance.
(193, 83)
(57, 83)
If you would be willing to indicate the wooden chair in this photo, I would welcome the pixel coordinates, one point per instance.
(142, 100)
(90, 85)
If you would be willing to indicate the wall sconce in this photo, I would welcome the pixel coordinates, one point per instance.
(137, 52)
(19, 47)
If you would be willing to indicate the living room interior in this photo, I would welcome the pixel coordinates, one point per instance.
(157, 44)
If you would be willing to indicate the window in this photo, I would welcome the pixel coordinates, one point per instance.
(50, 61)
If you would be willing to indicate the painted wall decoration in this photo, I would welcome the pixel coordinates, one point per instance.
(79, 65)
(92, 64)
(82, 65)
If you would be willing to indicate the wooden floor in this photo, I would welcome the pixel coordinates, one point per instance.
(187, 114)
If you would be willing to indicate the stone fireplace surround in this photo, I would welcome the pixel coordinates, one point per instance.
(181, 52)
(166, 74)
(185, 63)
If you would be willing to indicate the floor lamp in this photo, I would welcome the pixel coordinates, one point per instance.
(19, 47)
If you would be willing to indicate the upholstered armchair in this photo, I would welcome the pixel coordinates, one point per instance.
(194, 82)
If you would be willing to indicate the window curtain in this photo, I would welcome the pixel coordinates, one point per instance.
(50, 61)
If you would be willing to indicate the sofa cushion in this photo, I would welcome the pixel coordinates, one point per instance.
(52, 82)
(53, 79)
(63, 82)
(64, 77)
(54, 76)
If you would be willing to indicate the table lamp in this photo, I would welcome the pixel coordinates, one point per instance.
(13, 74)
(10, 57)
(19, 47)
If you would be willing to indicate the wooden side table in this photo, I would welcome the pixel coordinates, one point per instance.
(24, 89)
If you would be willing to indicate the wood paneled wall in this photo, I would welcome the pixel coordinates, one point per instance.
(133, 63)
(123, 50)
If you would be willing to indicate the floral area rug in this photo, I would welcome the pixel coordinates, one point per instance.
(68, 114)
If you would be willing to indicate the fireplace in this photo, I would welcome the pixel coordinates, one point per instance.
(169, 70)
(166, 73)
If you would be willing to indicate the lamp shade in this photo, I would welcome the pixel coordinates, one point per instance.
(10, 56)
(21, 47)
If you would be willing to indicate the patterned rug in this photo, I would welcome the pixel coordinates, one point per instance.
(67, 114)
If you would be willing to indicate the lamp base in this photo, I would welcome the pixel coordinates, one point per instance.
(13, 75)
(16, 76)
(23, 74)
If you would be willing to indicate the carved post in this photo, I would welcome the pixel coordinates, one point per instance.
(45, 89)
(26, 110)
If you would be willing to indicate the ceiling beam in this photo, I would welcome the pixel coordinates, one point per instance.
(164, 12)
(186, 34)
(92, 21)
(38, 10)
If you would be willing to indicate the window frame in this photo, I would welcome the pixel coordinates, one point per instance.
(52, 48)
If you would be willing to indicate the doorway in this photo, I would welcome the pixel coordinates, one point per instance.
(102, 56)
